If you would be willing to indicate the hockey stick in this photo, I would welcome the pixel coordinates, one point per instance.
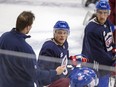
(87, 17)
(64, 63)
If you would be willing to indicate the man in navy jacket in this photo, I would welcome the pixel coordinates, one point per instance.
(98, 40)
(17, 58)
(56, 47)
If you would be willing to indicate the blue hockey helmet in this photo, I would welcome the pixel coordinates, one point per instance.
(62, 25)
(102, 5)
(89, 71)
(83, 77)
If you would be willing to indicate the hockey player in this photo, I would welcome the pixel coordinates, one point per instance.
(98, 40)
(56, 47)
(18, 69)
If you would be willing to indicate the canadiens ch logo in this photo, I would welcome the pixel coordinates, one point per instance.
(108, 41)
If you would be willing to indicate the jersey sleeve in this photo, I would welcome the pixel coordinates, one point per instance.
(97, 49)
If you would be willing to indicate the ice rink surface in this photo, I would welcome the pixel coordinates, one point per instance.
(47, 12)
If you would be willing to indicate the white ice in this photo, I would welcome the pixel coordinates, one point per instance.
(71, 11)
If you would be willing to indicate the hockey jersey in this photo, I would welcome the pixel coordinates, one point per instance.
(17, 70)
(98, 42)
(51, 49)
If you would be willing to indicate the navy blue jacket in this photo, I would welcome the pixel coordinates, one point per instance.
(52, 49)
(17, 71)
(98, 42)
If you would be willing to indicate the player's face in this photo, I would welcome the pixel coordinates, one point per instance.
(102, 15)
(60, 36)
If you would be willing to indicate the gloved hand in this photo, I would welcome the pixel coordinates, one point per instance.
(76, 59)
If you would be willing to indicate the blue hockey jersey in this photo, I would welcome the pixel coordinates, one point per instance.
(98, 42)
(52, 49)
(17, 70)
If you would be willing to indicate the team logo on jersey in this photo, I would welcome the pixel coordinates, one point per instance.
(108, 40)
(61, 55)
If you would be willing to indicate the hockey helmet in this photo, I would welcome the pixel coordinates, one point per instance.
(81, 77)
(89, 71)
(62, 25)
(102, 5)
